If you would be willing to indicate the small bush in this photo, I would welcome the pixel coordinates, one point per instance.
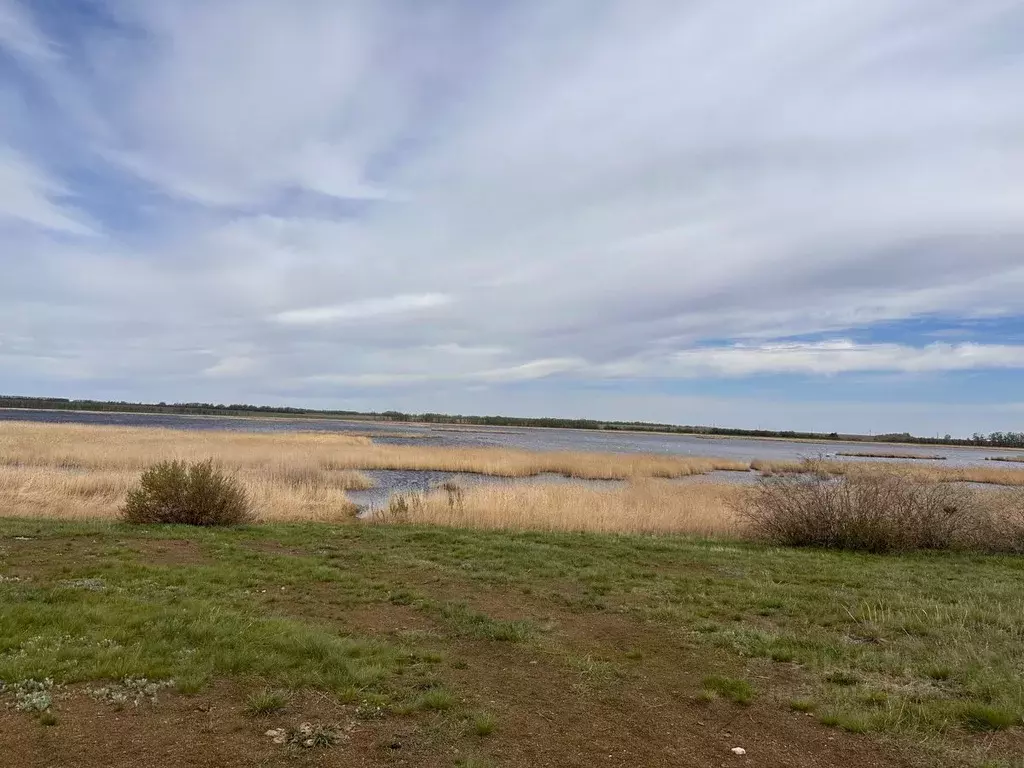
(871, 512)
(189, 494)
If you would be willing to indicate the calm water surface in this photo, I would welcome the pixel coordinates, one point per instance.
(526, 438)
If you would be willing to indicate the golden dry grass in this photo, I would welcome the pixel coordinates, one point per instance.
(49, 492)
(1007, 477)
(75, 471)
(80, 471)
(88, 447)
(297, 454)
(641, 506)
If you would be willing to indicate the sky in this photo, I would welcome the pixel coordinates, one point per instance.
(787, 214)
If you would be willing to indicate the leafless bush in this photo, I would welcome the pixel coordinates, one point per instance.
(865, 511)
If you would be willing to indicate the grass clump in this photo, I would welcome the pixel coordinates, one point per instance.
(982, 717)
(265, 702)
(436, 700)
(47, 718)
(189, 494)
(842, 678)
(736, 691)
(802, 705)
(484, 724)
(471, 623)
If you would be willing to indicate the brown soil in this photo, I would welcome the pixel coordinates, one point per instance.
(170, 552)
(209, 730)
(547, 715)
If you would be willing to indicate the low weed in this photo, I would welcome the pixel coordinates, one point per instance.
(736, 691)
(266, 702)
(484, 724)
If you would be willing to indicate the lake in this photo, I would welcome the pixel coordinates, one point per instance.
(524, 438)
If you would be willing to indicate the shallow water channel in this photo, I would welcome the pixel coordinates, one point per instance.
(392, 481)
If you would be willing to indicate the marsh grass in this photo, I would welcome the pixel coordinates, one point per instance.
(642, 506)
(928, 474)
(80, 471)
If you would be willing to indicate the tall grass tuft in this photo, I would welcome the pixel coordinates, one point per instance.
(189, 494)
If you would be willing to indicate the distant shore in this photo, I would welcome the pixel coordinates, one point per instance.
(469, 426)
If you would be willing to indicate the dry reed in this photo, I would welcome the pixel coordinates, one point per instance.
(80, 471)
(641, 506)
(292, 453)
(1007, 477)
(76, 471)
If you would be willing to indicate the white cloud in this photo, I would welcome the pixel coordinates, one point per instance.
(18, 34)
(29, 195)
(232, 367)
(535, 369)
(843, 356)
(364, 309)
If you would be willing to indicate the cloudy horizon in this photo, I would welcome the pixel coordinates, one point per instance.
(792, 215)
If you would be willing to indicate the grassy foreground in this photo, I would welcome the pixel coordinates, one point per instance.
(428, 646)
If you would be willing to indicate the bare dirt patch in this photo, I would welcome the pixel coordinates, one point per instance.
(209, 730)
(170, 552)
(388, 619)
(651, 722)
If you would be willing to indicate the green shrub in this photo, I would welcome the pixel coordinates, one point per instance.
(189, 494)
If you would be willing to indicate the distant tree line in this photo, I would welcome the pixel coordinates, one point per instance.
(189, 409)
(995, 439)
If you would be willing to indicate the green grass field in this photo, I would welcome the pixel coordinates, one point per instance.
(923, 653)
